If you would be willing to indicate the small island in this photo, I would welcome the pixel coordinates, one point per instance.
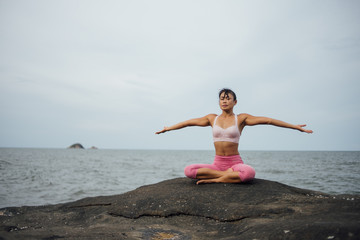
(76, 146)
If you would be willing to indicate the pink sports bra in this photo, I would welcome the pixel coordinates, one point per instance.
(230, 134)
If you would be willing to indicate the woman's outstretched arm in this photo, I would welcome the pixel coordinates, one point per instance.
(250, 120)
(201, 122)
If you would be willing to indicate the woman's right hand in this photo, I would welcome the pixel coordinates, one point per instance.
(162, 131)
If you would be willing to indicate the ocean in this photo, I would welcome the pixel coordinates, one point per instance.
(33, 177)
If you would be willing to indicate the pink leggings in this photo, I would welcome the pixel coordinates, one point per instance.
(222, 163)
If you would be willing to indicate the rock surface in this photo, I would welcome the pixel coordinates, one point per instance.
(180, 209)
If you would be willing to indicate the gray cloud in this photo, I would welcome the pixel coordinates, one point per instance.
(109, 73)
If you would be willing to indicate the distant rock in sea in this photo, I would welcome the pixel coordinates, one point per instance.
(76, 146)
(93, 147)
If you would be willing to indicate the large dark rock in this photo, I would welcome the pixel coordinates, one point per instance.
(180, 209)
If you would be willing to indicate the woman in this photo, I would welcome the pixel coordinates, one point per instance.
(228, 166)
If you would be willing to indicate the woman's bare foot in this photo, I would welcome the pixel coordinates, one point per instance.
(229, 176)
(207, 173)
(214, 180)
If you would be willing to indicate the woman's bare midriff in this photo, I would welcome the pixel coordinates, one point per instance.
(226, 148)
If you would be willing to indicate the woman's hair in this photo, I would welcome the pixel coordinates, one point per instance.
(227, 92)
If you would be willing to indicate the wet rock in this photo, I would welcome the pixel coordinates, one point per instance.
(180, 209)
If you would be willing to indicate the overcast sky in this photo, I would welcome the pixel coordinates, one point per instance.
(111, 73)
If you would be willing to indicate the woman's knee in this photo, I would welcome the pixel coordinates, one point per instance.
(246, 172)
(190, 171)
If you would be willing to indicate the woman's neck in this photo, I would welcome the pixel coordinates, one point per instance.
(227, 113)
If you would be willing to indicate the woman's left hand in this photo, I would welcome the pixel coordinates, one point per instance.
(302, 129)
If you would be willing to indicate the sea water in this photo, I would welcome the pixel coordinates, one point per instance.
(31, 177)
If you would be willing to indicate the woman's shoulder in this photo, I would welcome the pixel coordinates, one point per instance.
(243, 116)
(211, 115)
(211, 118)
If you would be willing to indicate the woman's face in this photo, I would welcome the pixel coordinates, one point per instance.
(226, 101)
